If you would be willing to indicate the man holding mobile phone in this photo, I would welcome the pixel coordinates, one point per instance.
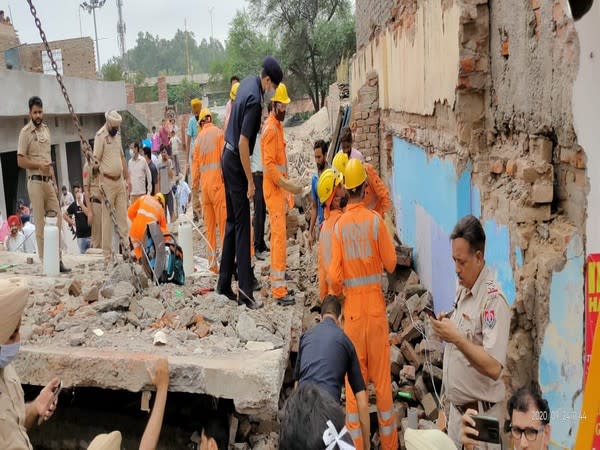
(17, 416)
(476, 333)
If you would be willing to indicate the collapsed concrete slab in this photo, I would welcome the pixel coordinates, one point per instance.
(252, 379)
(102, 334)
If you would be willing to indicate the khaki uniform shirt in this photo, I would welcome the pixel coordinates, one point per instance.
(483, 315)
(13, 435)
(108, 150)
(91, 182)
(34, 143)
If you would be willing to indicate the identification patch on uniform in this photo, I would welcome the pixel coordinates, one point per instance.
(489, 316)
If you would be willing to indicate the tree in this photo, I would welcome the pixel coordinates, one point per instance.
(112, 70)
(314, 36)
(246, 49)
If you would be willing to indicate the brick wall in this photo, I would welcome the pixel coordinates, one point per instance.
(162, 89)
(130, 92)
(78, 56)
(365, 121)
(8, 39)
(371, 16)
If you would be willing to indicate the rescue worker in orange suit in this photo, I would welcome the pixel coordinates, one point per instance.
(377, 196)
(209, 148)
(275, 188)
(361, 248)
(145, 210)
(334, 198)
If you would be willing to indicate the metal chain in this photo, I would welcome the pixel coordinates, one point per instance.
(85, 146)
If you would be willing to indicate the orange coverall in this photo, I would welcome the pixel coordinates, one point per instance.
(274, 160)
(361, 249)
(377, 195)
(325, 237)
(209, 148)
(143, 211)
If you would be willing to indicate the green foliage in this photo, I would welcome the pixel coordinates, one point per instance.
(131, 129)
(146, 93)
(182, 94)
(314, 35)
(112, 70)
(154, 56)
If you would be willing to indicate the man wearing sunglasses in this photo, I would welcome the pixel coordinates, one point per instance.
(529, 422)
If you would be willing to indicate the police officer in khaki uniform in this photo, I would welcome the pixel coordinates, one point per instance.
(16, 416)
(34, 155)
(476, 333)
(93, 197)
(108, 152)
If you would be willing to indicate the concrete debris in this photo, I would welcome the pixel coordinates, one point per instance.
(160, 338)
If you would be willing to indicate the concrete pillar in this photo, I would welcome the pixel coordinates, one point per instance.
(162, 89)
(62, 169)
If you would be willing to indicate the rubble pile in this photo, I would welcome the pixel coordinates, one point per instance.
(299, 147)
(416, 357)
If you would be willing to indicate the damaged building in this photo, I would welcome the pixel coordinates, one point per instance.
(488, 108)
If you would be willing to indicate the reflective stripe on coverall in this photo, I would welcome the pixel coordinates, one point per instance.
(325, 237)
(274, 160)
(143, 211)
(209, 148)
(377, 195)
(361, 249)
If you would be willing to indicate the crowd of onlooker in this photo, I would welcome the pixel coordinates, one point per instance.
(155, 165)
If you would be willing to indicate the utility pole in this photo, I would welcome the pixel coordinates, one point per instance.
(187, 50)
(121, 30)
(210, 11)
(91, 6)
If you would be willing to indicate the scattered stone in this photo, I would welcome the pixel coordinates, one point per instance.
(77, 339)
(150, 308)
(91, 294)
(113, 304)
(414, 289)
(254, 346)
(409, 372)
(109, 318)
(123, 289)
(29, 260)
(107, 291)
(98, 332)
(75, 288)
(160, 338)
(430, 406)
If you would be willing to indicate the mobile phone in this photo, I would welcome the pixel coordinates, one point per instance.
(488, 428)
(430, 312)
(56, 392)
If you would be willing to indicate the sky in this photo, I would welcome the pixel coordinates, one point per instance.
(60, 20)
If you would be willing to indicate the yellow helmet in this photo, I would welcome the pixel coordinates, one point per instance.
(328, 180)
(281, 95)
(339, 162)
(233, 91)
(161, 199)
(196, 104)
(203, 114)
(355, 174)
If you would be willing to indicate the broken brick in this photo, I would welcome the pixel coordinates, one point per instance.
(396, 360)
(540, 149)
(511, 168)
(408, 351)
(579, 160)
(408, 372)
(467, 65)
(420, 388)
(542, 192)
(430, 406)
(75, 288)
(412, 332)
(504, 48)
(497, 167)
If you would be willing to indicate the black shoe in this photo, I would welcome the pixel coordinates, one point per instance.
(288, 277)
(63, 268)
(227, 293)
(287, 300)
(250, 303)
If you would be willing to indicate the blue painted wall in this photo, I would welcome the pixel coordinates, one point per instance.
(430, 197)
(561, 367)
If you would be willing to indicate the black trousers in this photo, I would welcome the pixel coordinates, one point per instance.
(236, 244)
(260, 214)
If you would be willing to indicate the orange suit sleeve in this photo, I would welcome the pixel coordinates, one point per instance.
(335, 272)
(268, 146)
(387, 249)
(196, 166)
(133, 208)
(323, 289)
(384, 201)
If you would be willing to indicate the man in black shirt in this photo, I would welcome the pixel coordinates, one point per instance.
(240, 138)
(79, 210)
(326, 355)
(153, 170)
